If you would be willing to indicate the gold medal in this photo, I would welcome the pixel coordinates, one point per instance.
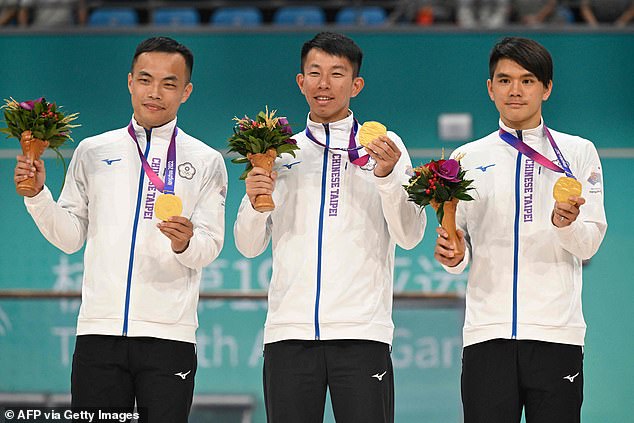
(369, 131)
(566, 187)
(168, 205)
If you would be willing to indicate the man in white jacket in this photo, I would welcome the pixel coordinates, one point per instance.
(524, 328)
(340, 212)
(137, 321)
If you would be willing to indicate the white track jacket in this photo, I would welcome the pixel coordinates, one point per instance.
(333, 232)
(134, 284)
(525, 275)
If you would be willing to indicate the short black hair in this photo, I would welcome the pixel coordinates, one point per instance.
(165, 45)
(528, 53)
(337, 45)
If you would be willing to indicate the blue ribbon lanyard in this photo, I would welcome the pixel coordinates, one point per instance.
(166, 187)
(528, 151)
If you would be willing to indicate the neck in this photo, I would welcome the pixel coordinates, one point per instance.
(522, 126)
(331, 120)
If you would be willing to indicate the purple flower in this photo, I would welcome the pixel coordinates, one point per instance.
(291, 141)
(30, 105)
(286, 128)
(448, 170)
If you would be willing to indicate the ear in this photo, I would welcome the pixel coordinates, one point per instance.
(187, 92)
(130, 82)
(357, 85)
(300, 81)
(547, 91)
(490, 89)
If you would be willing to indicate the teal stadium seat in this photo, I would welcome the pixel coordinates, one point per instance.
(299, 16)
(113, 16)
(176, 16)
(237, 16)
(363, 15)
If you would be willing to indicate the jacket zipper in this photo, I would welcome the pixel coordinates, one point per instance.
(133, 242)
(321, 229)
(516, 234)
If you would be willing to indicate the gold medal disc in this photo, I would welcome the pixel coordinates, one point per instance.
(566, 187)
(369, 131)
(168, 205)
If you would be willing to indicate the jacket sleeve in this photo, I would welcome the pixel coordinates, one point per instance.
(64, 224)
(208, 218)
(252, 229)
(405, 220)
(584, 236)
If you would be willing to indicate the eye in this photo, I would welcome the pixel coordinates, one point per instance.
(313, 73)
(144, 80)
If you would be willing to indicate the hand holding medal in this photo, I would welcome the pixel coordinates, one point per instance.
(168, 205)
(565, 188)
(382, 150)
(369, 131)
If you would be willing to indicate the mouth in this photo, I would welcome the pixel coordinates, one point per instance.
(514, 104)
(153, 107)
(323, 99)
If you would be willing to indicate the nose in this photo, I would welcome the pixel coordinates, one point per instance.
(154, 92)
(324, 82)
(516, 88)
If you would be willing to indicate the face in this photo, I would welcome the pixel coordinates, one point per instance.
(328, 84)
(518, 95)
(158, 86)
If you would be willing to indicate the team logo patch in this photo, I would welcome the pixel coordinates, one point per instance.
(186, 170)
(595, 178)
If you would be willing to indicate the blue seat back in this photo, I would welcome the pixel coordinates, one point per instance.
(299, 16)
(176, 16)
(108, 16)
(237, 16)
(366, 15)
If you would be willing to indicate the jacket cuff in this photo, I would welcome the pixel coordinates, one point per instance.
(40, 199)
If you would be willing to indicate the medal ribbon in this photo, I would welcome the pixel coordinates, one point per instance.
(353, 154)
(528, 151)
(166, 187)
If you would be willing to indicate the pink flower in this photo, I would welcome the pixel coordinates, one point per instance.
(30, 105)
(447, 169)
(286, 128)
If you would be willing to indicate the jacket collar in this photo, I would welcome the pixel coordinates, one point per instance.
(159, 134)
(534, 136)
(339, 130)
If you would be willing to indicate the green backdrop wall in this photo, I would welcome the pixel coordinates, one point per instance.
(411, 77)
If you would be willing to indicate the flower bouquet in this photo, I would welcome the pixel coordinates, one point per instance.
(260, 141)
(442, 184)
(38, 125)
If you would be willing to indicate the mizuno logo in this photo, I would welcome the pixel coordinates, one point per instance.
(571, 378)
(182, 375)
(290, 165)
(484, 168)
(380, 376)
(110, 161)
